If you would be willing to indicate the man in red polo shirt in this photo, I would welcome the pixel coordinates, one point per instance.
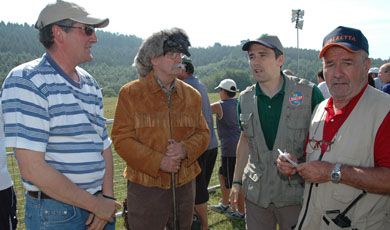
(347, 167)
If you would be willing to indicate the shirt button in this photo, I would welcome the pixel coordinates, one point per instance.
(269, 106)
(331, 120)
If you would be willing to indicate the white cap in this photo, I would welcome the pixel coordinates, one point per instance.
(228, 85)
(373, 70)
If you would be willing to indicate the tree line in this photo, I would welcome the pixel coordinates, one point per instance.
(114, 54)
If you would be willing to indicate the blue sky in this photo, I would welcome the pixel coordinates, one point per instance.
(229, 22)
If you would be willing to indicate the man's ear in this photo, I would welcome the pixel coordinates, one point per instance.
(281, 60)
(367, 63)
(58, 33)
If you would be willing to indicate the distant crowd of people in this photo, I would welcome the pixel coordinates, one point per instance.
(293, 154)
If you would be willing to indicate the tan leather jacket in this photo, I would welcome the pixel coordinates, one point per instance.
(141, 130)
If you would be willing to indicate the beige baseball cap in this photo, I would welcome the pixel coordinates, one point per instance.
(61, 10)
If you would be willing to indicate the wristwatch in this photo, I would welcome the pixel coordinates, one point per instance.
(335, 176)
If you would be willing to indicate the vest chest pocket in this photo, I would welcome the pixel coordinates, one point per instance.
(297, 123)
(246, 120)
(298, 117)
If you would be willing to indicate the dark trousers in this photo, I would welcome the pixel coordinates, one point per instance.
(8, 218)
(206, 162)
(151, 207)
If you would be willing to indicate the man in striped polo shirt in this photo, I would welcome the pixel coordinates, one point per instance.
(53, 115)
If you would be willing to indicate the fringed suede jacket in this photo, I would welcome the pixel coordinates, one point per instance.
(141, 130)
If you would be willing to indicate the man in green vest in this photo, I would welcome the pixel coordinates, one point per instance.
(347, 167)
(274, 114)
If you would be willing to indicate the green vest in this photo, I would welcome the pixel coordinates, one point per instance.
(262, 182)
(353, 145)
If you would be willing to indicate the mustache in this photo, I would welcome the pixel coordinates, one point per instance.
(179, 65)
(339, 80)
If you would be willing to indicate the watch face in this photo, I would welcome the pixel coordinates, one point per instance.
(336, 173)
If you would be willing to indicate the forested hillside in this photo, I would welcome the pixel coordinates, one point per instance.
(114, 55)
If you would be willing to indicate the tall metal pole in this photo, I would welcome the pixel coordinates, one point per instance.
(298, 50)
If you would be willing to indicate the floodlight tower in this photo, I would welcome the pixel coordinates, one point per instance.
(297, 17)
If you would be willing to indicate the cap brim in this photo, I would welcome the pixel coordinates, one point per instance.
(247, 45)
(220, 87)
(350, 48)
(96, 22)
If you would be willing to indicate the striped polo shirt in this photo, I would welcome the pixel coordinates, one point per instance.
(45, 110)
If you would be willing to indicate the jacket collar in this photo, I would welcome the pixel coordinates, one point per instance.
(154, 87)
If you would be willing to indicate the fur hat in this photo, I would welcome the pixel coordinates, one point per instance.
(159, 44)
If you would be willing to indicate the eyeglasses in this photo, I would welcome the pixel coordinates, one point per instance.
(325, 145)
(173, 55)
(87, 29)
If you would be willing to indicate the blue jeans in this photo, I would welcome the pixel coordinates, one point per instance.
(52, 214)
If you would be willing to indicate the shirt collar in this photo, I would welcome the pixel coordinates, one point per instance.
(167, 91)
(349, 107)
(155, 84)
(259, 92)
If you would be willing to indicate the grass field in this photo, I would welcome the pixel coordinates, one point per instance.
(216, 221)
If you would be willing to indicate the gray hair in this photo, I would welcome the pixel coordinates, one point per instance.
(154, 46)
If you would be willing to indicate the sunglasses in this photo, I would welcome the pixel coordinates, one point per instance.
(89, 30)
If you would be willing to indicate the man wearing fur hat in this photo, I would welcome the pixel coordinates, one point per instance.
(53, 116)
(158, 130)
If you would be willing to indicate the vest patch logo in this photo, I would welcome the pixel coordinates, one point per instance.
(296, 98)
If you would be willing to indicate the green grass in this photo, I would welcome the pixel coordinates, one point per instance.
(216, 221)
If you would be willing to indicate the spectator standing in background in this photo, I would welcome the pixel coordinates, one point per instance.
(207, 159)
(322, 84)
(229, 134)
(384, 76)
(374, 73)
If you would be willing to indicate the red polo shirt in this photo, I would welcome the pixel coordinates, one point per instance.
(334, 121)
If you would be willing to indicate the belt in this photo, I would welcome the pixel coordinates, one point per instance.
(36, 195)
